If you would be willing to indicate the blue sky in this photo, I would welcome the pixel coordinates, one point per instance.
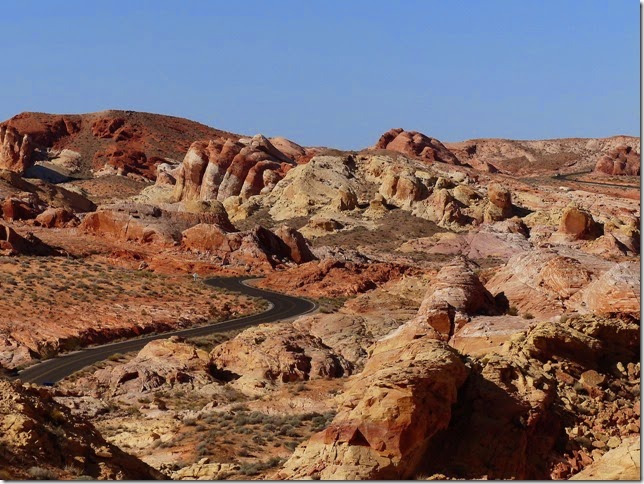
(334, 73)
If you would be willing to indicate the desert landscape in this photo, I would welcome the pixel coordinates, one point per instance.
(415, 309)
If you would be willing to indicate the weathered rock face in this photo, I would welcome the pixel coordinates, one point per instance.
(623, 160)
(541, 282)
(297, 246)
(389, 412)
(12, 243)
(218, 169)
(271, 354)
(19, 209)
(524, 404)
(140, 224)
(616, 291)
(149, 224)
(455, 293)
(16, 150)
(501, 240)
(333, 278)
(42, 194)
(578, 224)
(164, 362)
(36, 431)
(401, 190)
(538, 156)
(500, 205)
(56, 217)
(416, 145)
(443, 209)
(256, 247)
(619, 464)
(315, 186)
(211, 471)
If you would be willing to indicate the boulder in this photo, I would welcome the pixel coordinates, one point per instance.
(578, 224)
(56, 218)
(18, 209)
(297, 247)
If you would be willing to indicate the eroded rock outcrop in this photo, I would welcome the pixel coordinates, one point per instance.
(325, 182)
(617, 291)
(389, 411)
(218, 169)
(12, 243)
(542, 282)
(16, 150)
(164, 362)
(578, 224)
(255, 247)
(623, 160)
(35, 431)
(271, 354)
(541, 395)
(150, 224)
(455, 293)
(416, 145)
(56, 217)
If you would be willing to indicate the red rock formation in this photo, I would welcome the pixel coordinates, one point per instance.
(333, 278)
(455, 293)
(16, 209)
(416, 145)
(297, 246)
(623, 160)
(511, 408)
(216, 170)
(56, 217)
(128, 141)
(500, 206)
(16, 150)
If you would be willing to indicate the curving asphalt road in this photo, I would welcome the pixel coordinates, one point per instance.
(282, 307)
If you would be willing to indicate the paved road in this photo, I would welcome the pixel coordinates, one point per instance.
(569, 177)
(282, 307)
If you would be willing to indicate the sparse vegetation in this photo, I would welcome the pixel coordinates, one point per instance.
(41, 474)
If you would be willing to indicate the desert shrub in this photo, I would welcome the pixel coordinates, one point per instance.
(513, 311)
(528, 316)
(57, 417)
(41, 474)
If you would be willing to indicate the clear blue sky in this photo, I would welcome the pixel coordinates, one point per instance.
(334, 73)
